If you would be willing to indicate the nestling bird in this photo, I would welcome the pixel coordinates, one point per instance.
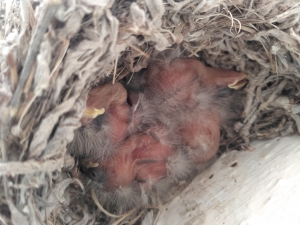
(140, 138)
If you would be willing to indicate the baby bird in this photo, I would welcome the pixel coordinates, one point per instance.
(139, 139)
(104, 123)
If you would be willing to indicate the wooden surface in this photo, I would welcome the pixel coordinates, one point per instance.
(260, 187)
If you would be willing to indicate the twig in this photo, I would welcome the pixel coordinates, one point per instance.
(101, 207)
(13, 70)
(115, 69)
(137, 217)
(37, 213)
(7, 168)
(286, 14)
(29, 63)
(136, 48)
(2, 221)
(34, 50)
(123, 217)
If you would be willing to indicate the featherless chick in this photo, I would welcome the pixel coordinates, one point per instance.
(139, 139)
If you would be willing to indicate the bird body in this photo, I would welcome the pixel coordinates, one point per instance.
(154, 131)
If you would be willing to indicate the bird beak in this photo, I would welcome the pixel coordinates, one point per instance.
(88, 164)
(93, 113)
(238, 83)
(92, 165)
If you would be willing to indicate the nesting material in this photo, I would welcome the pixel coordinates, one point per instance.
(52, 52)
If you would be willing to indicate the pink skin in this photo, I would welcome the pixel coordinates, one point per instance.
(143, 157)
(118, 116)
(104, 96)
(167, 77)
(202, 138)
(202, 134)
(111, 97)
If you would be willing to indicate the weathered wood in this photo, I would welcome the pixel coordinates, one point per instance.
(251, 187)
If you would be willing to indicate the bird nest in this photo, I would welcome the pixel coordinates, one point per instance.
(53, 51)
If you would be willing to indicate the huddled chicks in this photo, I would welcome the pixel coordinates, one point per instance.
(140, 138)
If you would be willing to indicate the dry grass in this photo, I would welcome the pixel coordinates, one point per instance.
(52, 52)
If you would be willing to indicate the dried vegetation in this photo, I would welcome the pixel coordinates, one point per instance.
(53, 51)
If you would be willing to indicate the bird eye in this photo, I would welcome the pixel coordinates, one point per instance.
(99, 121)
(225, 92)
(95, 174)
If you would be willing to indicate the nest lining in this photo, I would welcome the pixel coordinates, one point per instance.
(53, 51)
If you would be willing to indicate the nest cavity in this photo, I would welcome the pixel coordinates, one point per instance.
(53, 51)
